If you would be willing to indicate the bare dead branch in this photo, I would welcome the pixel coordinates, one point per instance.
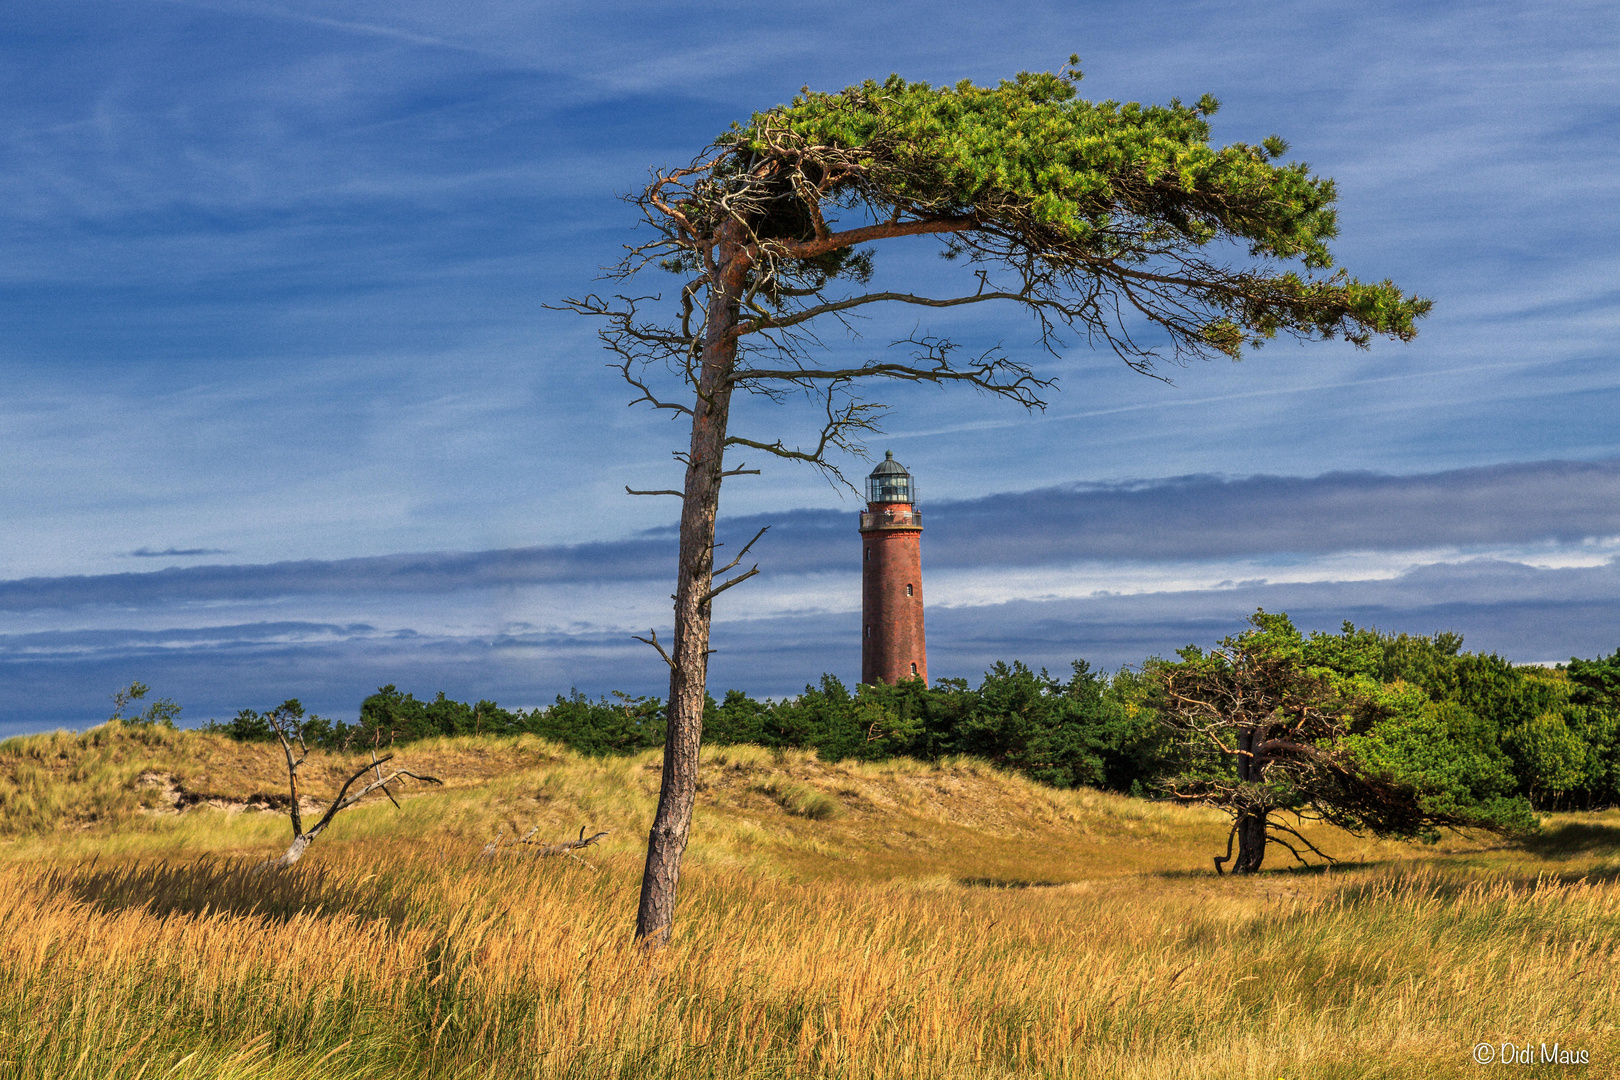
(653, 641)
(849, 303)
(549, 850)
(494, 845)
(738, 580)
(302, 837)
(281, 719)
(343, 801)
(727, 568)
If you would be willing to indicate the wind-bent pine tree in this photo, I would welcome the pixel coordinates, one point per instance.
(1267, 734)
(1117, 222)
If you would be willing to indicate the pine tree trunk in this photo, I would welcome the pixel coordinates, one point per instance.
(1251, 826)
(1251, 836)
(689, 646)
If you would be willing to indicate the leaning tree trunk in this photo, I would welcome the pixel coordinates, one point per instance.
(689, 646)
(299, 845)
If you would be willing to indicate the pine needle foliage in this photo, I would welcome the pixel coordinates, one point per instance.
(1125, 204)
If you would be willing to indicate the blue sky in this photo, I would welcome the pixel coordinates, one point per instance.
(286, 413)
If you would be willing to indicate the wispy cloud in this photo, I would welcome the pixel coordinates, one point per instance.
(148, 553)
(426, 574)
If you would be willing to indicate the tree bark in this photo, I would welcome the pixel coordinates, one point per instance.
(300, 844)
(689, 646)
(1251, 836)
(1251, 824)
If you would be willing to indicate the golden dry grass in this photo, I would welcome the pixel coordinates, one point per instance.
(58, 779)
(948, 921)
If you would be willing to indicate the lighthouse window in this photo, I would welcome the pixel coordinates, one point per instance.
(914, 669)
(868, 554)
(868, 629)
(908, 590)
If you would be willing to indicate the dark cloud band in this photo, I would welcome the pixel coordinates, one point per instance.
(1205, 517)
(63, 678)
(1188, 518)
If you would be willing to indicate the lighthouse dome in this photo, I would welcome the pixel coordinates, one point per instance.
(890, 482)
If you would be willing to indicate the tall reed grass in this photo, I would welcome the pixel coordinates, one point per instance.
(388, 961)
(851, 921)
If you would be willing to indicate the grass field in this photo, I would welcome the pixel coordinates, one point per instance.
(903, 920)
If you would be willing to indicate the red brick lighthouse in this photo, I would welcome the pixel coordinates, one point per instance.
(892, 646)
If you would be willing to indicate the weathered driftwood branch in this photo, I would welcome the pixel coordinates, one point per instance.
(284, 722)
(544, 850)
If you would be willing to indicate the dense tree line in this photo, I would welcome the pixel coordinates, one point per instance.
(1472, 724)
(1557, 730)
(1090, 729)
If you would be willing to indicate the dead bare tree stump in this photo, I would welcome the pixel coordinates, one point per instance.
(285, 722)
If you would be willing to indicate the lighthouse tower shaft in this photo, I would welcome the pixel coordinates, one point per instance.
(892, 643)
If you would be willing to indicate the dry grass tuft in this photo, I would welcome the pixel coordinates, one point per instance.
(801, 799)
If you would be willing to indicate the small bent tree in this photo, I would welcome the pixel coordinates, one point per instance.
(160, 713)
(1268, 737)
(1118, 223)
(286, 721)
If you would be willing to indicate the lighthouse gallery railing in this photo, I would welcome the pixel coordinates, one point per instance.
(881, 518)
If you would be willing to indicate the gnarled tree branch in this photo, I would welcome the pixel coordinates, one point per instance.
(285, 722)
